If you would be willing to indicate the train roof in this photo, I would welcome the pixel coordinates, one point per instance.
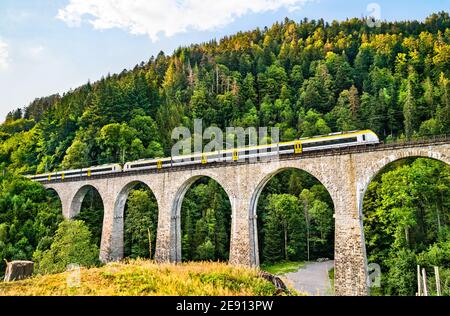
(203, 153)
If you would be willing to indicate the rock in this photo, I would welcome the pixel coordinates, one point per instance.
(323, 259)
(279, 284)
(18, 270)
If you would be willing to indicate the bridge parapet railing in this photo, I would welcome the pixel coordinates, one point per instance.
(432, 139)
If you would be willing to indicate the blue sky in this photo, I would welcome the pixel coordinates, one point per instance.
(50, 46)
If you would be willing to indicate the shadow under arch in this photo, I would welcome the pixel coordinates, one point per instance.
(120, 213)
(88, 205)
(77, 201)
(124, 194)
(254, 244)
(175, 219)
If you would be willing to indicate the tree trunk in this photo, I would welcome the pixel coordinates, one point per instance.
(305, 207)
(18, 270)
(438, 217)
(149, 242)
(217, 80)
(285, 242)
(407, 236)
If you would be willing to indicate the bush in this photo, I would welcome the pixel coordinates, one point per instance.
(445, 281)
(437, 254)
(72, 244)
(401, 278)
(205, 251)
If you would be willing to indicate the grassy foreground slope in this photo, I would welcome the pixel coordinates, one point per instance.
(139, 277)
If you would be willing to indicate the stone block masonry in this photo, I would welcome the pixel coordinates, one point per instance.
(346, 176)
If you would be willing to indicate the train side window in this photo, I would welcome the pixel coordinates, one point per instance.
(364, 137)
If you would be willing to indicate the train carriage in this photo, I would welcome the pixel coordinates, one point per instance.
(323, 142)
(299, 146)
(330, 141)
(145, 164)
(76, 173)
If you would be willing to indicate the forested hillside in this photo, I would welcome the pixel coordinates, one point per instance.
(305, 77)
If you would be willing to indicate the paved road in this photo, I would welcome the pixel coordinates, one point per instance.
(312, 278)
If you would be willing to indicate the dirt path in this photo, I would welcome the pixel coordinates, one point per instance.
(312, 278)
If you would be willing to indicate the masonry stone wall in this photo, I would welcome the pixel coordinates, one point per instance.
(346, 178)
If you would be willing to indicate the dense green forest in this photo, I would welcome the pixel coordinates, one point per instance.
(295, 219)
(29, 218)
(407, 223)
(205, 222)
(305, 77)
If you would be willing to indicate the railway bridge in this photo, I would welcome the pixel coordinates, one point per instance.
(346, 174)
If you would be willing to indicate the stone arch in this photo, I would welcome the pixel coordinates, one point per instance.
(379, 165)
(261, 184)
(375, 169)
(119, 215)
(124, 193)
(175, 218)
(77, 200)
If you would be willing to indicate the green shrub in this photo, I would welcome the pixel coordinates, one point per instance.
(205, 251)
(72, 244)
(401, 278)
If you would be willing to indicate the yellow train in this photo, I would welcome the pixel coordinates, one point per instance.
(77, 173)
(322, 142)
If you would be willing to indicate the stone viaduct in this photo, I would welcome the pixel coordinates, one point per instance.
(346, 174)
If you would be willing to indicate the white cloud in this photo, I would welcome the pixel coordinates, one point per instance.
(169, 17)
(4, 55)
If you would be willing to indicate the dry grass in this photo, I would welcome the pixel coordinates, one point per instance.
(142, 278)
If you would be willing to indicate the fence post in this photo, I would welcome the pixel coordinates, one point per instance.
(419, 282)
(438, 281)
(424, 275)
